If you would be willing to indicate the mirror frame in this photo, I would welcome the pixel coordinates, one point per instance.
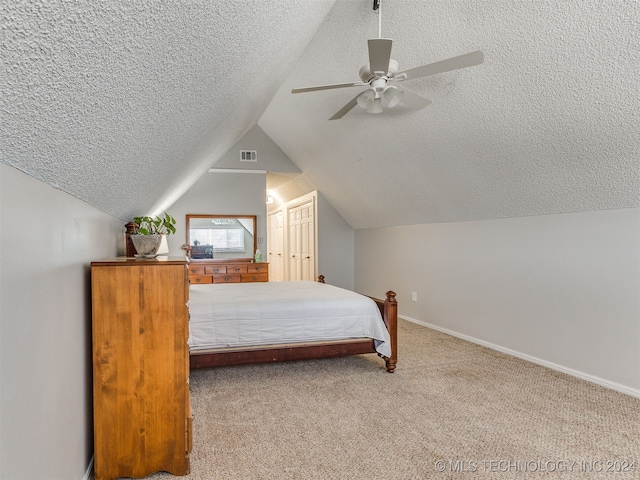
(189, 216)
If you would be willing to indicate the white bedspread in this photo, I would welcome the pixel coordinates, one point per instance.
(264, 313)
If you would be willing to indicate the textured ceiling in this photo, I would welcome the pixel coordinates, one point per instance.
(125, 104)
(550, 122)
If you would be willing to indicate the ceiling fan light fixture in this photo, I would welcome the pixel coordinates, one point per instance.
(376, 107)
(367, 99)
(392, 96)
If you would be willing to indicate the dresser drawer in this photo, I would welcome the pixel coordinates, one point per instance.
(227, 278)
(255, 277)
(196, 269)
(236, 269)
(215, 269)
(193, 279)
(258, 268)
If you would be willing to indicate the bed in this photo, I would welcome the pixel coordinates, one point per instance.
(236, 324)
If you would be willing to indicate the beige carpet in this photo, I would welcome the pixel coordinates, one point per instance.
(452, 409)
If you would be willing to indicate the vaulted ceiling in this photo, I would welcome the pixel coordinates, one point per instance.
(126, 104)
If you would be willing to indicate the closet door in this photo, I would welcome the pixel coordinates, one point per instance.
(307, 242)
(301, 242)
(294, 267)
(276, 247)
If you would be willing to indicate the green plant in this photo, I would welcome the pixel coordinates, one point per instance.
(158, 225)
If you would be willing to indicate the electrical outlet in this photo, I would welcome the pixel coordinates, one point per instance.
(414, 296)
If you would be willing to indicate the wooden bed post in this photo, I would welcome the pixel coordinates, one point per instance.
(389, 311)
(391, 318)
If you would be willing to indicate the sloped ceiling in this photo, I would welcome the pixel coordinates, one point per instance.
(550, 123)
(125, 104)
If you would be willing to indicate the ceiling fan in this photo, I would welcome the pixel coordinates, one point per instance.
(381, 77)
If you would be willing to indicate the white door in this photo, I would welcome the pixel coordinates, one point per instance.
(275, 247)
(307, 243)
(301, 242)
(293, 236)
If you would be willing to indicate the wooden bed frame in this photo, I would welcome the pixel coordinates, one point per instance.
(305, 351)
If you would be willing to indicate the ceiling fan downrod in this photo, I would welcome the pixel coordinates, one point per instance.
(378, 10)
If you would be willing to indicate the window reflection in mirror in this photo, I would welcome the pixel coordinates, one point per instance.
(221, 236)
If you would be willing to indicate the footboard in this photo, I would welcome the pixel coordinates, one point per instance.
(389, 311)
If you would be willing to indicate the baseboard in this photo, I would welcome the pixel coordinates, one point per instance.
(569, 371)
(88, 474)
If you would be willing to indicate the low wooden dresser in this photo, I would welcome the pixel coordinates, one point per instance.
(142, 408)
(227, 271)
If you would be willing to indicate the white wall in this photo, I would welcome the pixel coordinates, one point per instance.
(335, 246)
(563, 290)
(292, 189)
(270, 156)
(47, 240)
(222, 194)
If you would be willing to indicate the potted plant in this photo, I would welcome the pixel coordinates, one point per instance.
(148, 231)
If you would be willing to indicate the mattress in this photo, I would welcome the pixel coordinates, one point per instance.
(268, 313)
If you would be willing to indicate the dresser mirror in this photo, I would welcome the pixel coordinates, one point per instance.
(221, 236)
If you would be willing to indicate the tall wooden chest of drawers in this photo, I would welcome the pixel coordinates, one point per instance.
(142, 409)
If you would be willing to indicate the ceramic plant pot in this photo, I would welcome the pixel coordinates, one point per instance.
(146, 245)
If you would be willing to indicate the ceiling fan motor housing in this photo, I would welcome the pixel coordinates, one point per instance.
(367, 76)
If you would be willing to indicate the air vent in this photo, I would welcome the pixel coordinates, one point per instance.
(248, 155)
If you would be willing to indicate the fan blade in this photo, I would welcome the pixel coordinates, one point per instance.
(328, 87)
(379, 54)
(413, 100)
(346, 109)
(454, 63)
